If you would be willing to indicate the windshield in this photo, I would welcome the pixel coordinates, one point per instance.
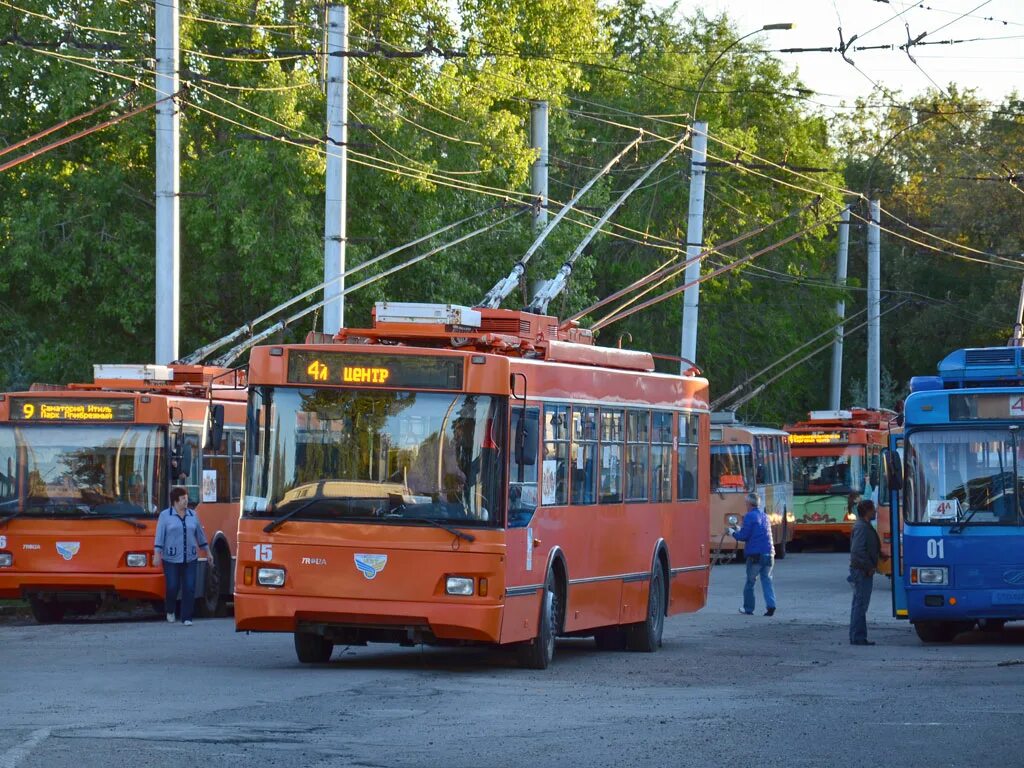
(74, 470)
(963, 476)
(375, 455)
(839, 474)
(731, 469)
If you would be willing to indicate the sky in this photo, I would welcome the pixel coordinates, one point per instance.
(993, 66)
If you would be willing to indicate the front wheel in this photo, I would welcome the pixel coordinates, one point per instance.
(313, 649)
(940, 631)
(780, 548)
(539, 653)
(646, 635)
(46, 611)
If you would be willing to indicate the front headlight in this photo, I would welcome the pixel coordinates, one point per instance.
(732, 519)
(937, 576)
(270, 577)
(458, 585)
(137, 560)
(6, 559)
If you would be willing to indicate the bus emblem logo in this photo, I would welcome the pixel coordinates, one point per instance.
(68, 549)
(1013, 577)
(371, 565)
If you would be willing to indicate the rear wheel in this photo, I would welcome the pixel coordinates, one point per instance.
(46, 611)
(646, 635)
(313, 649)
(940, 631)
(780, 548)
(539, 653)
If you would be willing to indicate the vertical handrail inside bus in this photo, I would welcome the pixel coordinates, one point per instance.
(520, 435)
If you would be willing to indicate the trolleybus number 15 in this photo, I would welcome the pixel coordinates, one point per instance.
(263, 553)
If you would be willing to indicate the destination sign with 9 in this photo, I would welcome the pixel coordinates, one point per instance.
(369, 370)
(72, 409)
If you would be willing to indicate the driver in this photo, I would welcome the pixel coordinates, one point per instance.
(435, 471)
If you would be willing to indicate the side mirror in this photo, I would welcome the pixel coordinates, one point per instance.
(527, 433)
(216, 431)
(893, 468)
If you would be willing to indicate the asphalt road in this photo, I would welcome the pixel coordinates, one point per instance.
(726, 689)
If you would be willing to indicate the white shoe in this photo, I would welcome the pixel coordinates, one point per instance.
(170, 618)
(187, 623)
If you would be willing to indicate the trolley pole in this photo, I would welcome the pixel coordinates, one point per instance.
(337, 172)
(167, 182)
(836, 390)
(874, 300)
(694, 244)
(539, 170)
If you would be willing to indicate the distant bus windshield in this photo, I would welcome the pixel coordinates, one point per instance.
(841, 473)
(52, 471)
(966, 476)
(731, 468)
(376, 455)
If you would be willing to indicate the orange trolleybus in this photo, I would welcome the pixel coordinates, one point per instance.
(836, 453)
(85, 469)
(745, 458)
(463, 476)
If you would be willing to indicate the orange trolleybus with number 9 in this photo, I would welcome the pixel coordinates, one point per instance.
(85, 468)
(459, 476)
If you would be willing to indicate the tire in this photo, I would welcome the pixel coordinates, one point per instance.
(940, 631)
(645, 636)
(210, 604)
(610, 638)
(46, 612)
(991, 625)
(313, 649)
(538, 653)
(780, 549)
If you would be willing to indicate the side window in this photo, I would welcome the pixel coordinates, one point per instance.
(555, 467)
(584, 455)
(216, 480)
(188, 474)
(522, 478)
(638, 448)
(661, 456)
(236, 445)
(611, 456)
(689, 432)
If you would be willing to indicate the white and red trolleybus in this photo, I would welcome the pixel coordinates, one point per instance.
(457, 476)
(85, 469)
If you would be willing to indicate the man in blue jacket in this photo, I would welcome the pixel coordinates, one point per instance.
(760, 555)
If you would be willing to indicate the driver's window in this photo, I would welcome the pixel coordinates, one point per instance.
(522, 477)
(186, 468)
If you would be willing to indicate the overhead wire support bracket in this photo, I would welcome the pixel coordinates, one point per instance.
(504, 287)
(551, 289)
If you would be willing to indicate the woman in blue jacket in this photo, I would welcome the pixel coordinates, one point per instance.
(179, 537)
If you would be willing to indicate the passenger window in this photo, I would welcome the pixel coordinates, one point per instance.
(638, 449)
(555, 464)
(611, 457)
(584, 455)
(216, 480)
(689, 430)
(522, 478)
(661, 456)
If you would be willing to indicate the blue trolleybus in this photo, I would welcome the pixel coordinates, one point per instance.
(961, 562)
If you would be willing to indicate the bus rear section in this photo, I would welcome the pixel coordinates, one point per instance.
(961, 563)
(84, 472)
(747, 459)
(419, 494)
(835, 460)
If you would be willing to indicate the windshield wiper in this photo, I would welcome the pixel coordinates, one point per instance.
(277, 522)
(958, 527)
(453, 531)
(134, 523)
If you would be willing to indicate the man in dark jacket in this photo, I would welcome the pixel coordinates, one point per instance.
(759, 553)
(865, 552)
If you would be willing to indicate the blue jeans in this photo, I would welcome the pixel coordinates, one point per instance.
(180, 576)
(862, 584)
(764, 570)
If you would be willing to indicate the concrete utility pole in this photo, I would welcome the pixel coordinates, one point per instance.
(539, 170)
(874, 301)
(694, 244)
(337, 171)
(167, 159)
(836, 390)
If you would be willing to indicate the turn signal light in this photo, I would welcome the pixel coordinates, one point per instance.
(247, 576)
(481, 588)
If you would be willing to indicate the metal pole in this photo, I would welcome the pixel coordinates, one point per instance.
(167, 199)
(337, 171)
(539, 170)
(836, 390)
(874, 291)
(694, 245)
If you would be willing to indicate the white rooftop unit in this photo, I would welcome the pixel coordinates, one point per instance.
(430, 314)
(830, 415)
(130, 372)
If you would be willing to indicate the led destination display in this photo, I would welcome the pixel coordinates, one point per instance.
(363, 370)
(71, 409)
